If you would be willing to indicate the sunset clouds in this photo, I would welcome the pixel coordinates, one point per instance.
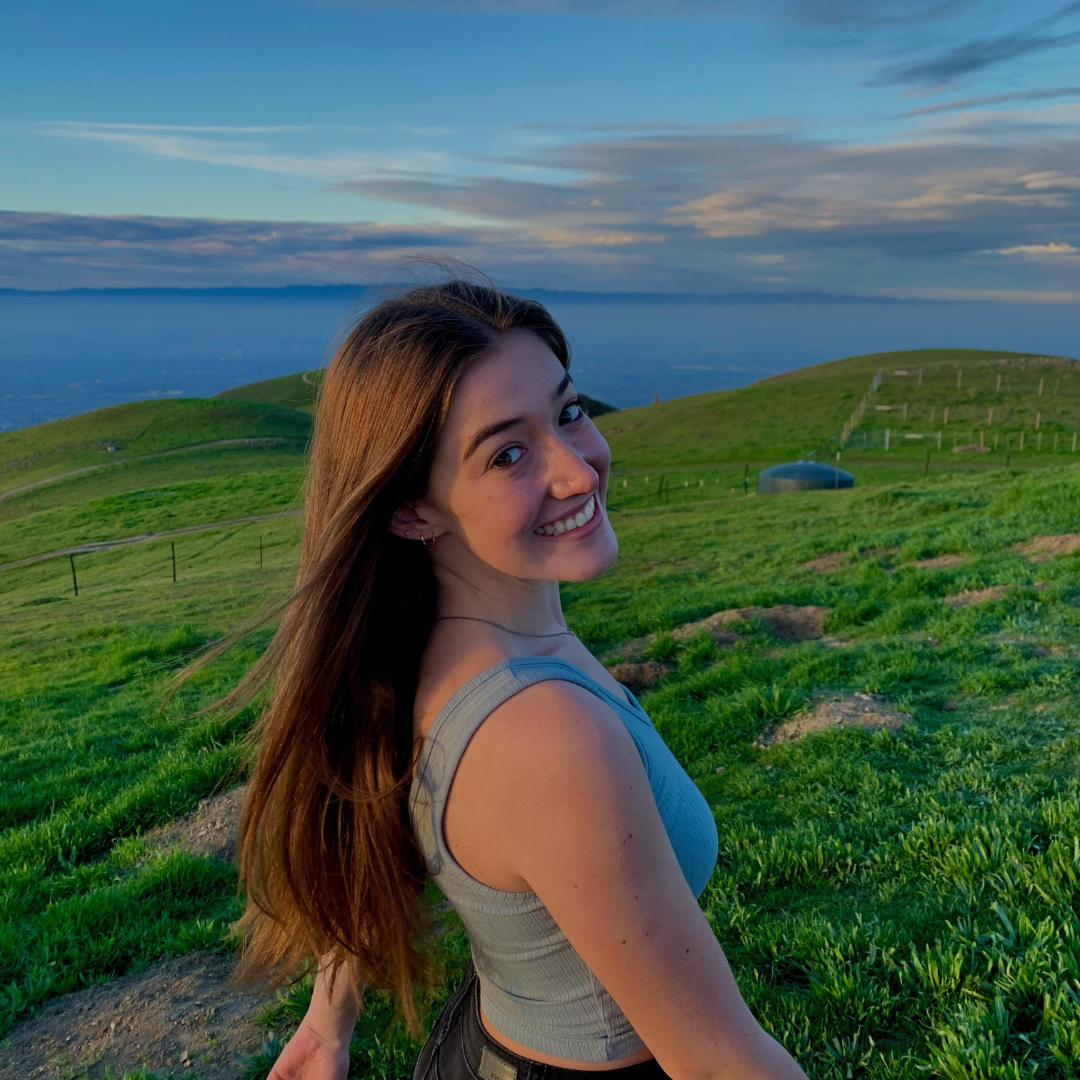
(877, 148)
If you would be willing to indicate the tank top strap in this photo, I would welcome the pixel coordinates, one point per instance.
(457, 721)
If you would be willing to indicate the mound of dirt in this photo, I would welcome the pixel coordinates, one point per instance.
(868, 711)
(210, 831)
(1041, 548)
(977, 596)
(834, 560)
(785, 621)
(940, 562)
(638, 677)
(174, 1015)
(825, 564)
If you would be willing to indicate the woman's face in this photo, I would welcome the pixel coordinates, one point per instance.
(520, 472)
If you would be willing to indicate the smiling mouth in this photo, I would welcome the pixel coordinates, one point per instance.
(568, 524)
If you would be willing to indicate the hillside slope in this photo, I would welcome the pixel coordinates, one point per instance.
(790, 415)
(122, 432)
(291, 391)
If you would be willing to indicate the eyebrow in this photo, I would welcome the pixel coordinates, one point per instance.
(491, 430)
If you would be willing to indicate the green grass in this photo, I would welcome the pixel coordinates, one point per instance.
(789, 415)
(28, 455)
(893, 906)
(290, 391)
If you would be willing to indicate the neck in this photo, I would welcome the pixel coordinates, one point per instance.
(527, 606)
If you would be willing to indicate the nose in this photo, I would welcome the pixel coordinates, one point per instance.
(569, 474)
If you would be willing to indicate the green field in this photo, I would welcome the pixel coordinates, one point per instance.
(893, 905)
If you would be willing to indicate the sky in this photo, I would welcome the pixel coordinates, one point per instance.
(875, 148)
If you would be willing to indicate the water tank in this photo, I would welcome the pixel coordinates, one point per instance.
(802, 476)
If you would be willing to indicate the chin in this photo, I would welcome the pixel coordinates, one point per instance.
(586, 565)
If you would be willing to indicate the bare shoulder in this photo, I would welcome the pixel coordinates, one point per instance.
(552, 731)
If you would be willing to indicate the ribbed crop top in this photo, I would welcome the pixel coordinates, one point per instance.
(534, 986)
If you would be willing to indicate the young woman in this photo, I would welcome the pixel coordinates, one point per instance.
(431, 713)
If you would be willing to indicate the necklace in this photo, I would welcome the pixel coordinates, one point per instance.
(516, 633)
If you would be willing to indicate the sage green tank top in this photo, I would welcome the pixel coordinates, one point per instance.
(534, 986)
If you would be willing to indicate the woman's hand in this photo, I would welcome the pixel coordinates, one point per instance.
(308, 1055)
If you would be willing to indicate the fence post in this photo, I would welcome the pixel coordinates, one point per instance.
(886, 438)
(939, 440)
(746, 479)
(926, 470)
(172, 544)
(1021, 441)
(261, 539)
(74, 579)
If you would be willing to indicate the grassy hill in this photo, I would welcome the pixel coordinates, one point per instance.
(894, 906)
(291, 391)
(139, 428)
(790, 415)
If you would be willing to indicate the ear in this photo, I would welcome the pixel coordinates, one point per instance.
(408, 523)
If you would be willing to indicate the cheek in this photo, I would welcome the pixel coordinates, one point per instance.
(497, 513)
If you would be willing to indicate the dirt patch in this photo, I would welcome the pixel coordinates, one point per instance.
(210, 831)
(1041, 548)
(638, 677)
(940, 562)
(867, 711)
(977, 596)
(825, 564)
(785, 622)
(176, 1014)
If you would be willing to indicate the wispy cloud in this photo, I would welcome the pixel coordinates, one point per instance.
(698, 208)
(1052, 250)
(982, 53)
(988, 100)
(188, 143)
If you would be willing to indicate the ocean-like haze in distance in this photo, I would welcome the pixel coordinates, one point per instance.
(66, 353)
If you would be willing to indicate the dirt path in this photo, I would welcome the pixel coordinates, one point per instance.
(178, 1014)
(143, 538)
(269, 440)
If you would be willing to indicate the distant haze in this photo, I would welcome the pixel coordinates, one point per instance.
(65, 353)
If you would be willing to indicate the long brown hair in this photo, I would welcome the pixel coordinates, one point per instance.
(327, 854)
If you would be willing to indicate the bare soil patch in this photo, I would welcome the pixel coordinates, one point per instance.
(977, 596)
(1041, 548)
(210, 831)
(177, 1015)
(940, 562)
(868, 711)
(785, 622)
(638, 677)
(825, 564)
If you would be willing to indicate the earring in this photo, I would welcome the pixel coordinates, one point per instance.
(407, 533)
(434, 541)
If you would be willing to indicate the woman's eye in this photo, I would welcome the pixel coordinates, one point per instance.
(571, 411)
(507, 457)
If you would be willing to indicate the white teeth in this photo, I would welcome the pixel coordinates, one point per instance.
(575, 521)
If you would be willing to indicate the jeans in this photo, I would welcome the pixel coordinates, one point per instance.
(460, 1049)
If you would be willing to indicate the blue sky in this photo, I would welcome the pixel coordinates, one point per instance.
(876, 147)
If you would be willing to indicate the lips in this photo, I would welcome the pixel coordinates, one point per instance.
(571, 522)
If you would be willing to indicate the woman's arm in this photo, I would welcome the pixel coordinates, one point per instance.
(566, 805)
(319, 1048)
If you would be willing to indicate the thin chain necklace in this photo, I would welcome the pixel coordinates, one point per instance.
(516, 633)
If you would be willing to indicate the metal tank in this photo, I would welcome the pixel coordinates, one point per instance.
(802, 476)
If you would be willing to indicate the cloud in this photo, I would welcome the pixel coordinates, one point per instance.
(696, 209)
(977, 55)
(991, 99)
(183, 143)
(1052, 250)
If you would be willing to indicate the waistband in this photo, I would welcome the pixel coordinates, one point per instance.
(490, 1060)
